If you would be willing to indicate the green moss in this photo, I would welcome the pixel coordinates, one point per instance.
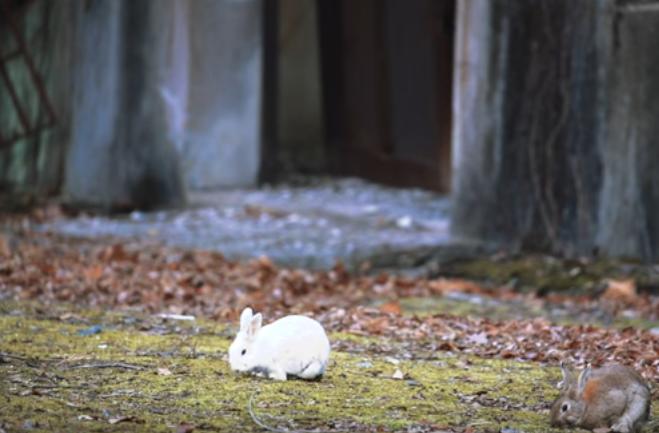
(533, 273)
(491, 308)
(53, 382)
(550, 274)
(495, 309)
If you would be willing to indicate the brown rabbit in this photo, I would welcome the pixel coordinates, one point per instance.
(613, 396)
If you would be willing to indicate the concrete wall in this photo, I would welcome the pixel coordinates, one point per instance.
(149, 96)
(121, 155)
(222, 137)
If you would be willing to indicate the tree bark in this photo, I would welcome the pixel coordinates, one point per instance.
(629, 213)
(555, 127)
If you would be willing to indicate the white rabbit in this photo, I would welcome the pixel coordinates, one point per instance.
(292, 345)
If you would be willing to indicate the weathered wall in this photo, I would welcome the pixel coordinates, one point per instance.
(148, 95)
(121, 155)
(222, 143)
(193, 71)
(33, 166)
(101, 62)
(300, 124)
(553, 129)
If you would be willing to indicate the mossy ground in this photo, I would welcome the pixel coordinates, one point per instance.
(496, 309)
(545, 274)
(150, 374)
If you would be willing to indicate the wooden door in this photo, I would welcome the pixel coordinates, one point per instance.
(387, 68)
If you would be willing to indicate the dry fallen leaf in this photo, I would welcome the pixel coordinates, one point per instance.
(184, 427)
(392, 307)
(621, 291)
(4, 246)
(480, 338)
(117, 253)
(445, 285)
(189, 283)
(94, 273)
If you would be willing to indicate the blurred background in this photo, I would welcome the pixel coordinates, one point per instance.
(440, 183)
(518, 124)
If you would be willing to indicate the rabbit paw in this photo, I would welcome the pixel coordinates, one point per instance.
(622, 426)
(277, 374)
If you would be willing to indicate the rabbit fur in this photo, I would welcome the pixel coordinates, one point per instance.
(614, 397)
(291, 346)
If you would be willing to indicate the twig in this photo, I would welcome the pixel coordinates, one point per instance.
(4, 357)
(110, 365)
(56, 386)
(256, 420)
(260, 423)
(9, 355)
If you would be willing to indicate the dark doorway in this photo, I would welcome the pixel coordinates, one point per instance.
(387, 77)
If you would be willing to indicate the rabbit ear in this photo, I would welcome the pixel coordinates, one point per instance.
(254, 324)
(584, 376)
(245, 319)
(567, 374)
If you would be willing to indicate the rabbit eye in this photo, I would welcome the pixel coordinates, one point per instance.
(243, 352)
(565, 407)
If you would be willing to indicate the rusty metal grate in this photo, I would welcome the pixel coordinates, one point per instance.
(11, 10)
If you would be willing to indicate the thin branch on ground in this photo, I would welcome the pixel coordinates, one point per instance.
(110, 365)
(263, 425)
(11, 356)
(7, 357)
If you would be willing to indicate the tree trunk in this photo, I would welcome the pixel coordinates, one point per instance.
(555, 119)
(526, 164)
(629, 214)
